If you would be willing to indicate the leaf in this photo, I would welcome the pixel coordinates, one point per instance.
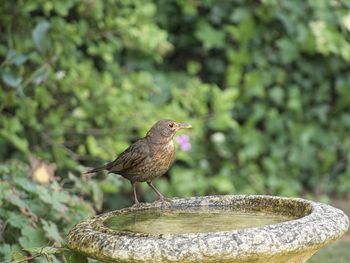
(6, 251)
(10, 55)
(11, 79)
(40, 75)
(51, 230)
(18, 257)
(19, 59)
(32, 237)
(45, 250)
(39, 35)
(97, 195)
(73, 257)
(277, 95)
(17, 220)
(111, 184)
(20, 143)
(209, 36)
(50, 199)
(288, 50)
(16, 200)
(26, 185)
(94, 146)
(15, 59)
(4, 190)
(223, 184)
(62, 7)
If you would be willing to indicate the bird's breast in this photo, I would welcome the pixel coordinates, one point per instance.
(165, 153)
(163, 157)
(157, 163)
(170, 146)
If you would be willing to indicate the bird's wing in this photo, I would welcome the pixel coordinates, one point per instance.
(131, 157)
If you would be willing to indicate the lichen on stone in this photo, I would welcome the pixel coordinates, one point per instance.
(314, 226)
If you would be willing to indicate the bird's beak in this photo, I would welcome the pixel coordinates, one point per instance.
(183, 126)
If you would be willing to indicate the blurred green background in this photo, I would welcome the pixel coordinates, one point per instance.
(265, 84)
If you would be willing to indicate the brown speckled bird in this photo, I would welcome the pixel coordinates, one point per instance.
(147, 158)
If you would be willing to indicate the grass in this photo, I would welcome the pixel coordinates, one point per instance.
(339, 252)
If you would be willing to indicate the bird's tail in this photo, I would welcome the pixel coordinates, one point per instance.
(97, 169)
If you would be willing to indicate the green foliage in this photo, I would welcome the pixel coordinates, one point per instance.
(34, 215)
(277, 123)
(83, 79)
(264, 83)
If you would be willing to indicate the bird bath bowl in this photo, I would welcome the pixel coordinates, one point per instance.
(211, 229)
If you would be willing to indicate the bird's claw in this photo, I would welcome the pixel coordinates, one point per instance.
(163, 199)
(136, 205)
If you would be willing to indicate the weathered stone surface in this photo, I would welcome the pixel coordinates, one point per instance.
(292, 241)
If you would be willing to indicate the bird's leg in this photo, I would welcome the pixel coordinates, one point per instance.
(135, 194)
(161, 197)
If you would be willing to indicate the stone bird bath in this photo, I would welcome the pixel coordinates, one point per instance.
(229, 228)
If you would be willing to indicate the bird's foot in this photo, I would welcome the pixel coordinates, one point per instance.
(136, 205)
(163, 199)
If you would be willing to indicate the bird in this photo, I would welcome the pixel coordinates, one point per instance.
(147, 158)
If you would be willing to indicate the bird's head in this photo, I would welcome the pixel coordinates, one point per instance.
(164, 130)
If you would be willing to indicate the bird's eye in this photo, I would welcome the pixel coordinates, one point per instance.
(171, 125)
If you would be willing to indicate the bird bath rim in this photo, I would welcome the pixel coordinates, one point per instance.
(316, 225)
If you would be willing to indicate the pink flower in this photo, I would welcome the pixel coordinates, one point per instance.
(184, 142)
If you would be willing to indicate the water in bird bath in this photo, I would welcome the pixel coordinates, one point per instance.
(168, 221)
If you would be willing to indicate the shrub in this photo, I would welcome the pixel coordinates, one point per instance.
(34, 215)
(265, 85)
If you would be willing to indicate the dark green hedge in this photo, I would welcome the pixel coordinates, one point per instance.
(264, 83)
